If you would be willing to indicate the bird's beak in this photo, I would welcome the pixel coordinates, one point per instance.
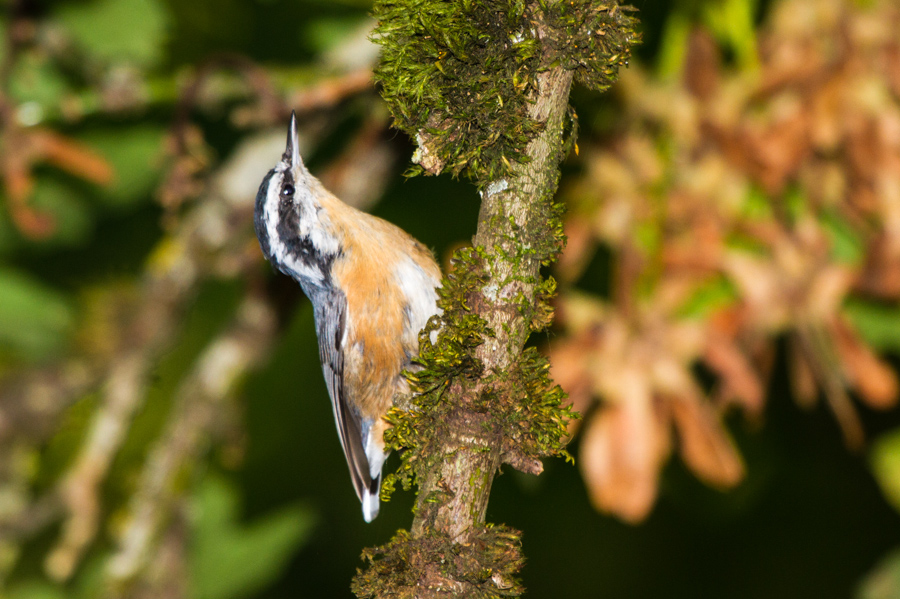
(292, 151)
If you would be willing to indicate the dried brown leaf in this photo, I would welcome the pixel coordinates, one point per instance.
(705, 445)
(622, 451)
(827, 292)
(760, 286)
(880, 275)
(702, 64)
(580, 247)
(569, 368)
(818, 348)
(776, 152)
(803, 380)
(740, 380)
(874, 380)
(891, 59)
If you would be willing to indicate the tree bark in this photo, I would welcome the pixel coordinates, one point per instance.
(514, 212)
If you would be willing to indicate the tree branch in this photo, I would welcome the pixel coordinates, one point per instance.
(496, 108)
(514, 215)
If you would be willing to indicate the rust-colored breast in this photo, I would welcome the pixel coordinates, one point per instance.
(375, 346)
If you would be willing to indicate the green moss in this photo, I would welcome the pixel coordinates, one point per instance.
(460, 71)
(525, 408)
(450, 359)
(592, 38)
(535, 421)
(483, 569)
(459, 75)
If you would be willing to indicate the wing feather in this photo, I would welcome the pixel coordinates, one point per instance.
(330, 327)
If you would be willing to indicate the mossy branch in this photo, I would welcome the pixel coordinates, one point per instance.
(483, 86)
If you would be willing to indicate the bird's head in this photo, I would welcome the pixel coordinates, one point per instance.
(290, 221)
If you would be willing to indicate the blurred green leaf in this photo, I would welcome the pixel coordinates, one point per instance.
(757, 204)
(34, 319)
(327, 33)
(731, 21)
(72, 218)
(36, 79)
(885, 460)
(795, 203)
(846, 245)
(9, 234)
(714, 293)
(230, 559)
(135, 153)
(91, 580)
(878, 324)
(118, 30)
(648, 236)
(62, 448)
(35, 590)
(883, 582)
(673, 46)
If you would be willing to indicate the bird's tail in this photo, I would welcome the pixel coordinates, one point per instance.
(370, 500)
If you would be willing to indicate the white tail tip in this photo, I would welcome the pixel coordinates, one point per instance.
(370, 505)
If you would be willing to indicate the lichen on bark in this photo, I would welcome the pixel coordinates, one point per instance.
(483, 87)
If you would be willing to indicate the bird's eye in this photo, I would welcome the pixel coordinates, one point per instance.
(287, 191)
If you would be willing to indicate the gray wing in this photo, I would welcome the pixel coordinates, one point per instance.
(330, 312)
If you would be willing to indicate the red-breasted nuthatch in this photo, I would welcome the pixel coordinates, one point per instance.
(372, 287)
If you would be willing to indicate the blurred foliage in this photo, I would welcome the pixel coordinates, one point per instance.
(34, 319)
(886, 465)
(744, 202)
(231, 560)
(733, 243)
(884, 582)
(133, 31)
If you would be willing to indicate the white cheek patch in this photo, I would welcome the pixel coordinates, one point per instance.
(309, 227)
(314, 223)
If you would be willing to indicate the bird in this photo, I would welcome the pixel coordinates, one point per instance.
(372, 286)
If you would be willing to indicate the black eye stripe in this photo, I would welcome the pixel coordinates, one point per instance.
(287, 186)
